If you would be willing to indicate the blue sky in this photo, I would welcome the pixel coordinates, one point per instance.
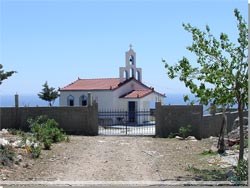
(59, 41)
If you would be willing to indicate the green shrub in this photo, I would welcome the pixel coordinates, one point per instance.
(67, 138)
(185, 131)
(245, 144)
(47, 143)
(171, 135)
(209, 152)
(35, 151)
(7, 155)
(46, 131)
(17, 132)
(242, 170)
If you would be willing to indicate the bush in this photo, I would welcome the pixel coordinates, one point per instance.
(46, 131)
(172, 135)
(185, 131)
(17, 132)
(242, 170)
(35, 151)
(209, 152)
(245, 144)
(7, 155)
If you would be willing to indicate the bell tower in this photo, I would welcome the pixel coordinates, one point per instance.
(130, 69)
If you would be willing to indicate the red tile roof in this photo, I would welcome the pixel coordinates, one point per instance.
(137, 94)
(93, 84)
(108, 84)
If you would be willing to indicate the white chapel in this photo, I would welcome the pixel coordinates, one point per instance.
(126, 92)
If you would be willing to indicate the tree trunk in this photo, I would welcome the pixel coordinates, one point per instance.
(221, 141)
(240, 112)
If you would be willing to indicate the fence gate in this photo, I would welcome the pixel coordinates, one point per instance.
(122, 122)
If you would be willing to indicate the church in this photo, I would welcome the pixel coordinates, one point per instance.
(126, 92)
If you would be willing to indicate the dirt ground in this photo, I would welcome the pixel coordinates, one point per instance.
(113, 158)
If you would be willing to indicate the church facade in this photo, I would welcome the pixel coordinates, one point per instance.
(126, 92)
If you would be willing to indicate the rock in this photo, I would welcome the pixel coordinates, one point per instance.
(17, 144)
(236, 122)
(3, 142)
(235, 133)
(178, 137)
(35, 145)
(4, 178)
(191, 138)
(19, 158)
(213, 148)
(28, 143)
(4, 131)
(26, 165)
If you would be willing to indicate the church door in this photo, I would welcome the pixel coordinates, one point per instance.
(131, 111)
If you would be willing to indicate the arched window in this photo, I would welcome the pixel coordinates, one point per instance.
(70, 100)
(138, 75)
(83, 101)
(132, 72)
(126, 74)
(131, 60)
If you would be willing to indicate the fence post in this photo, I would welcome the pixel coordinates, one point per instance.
(92, 118)
(158, 122)
(89, 99)
(16, 100)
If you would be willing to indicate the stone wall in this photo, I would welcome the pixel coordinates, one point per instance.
(212, 123)
(74, 120)
(170, 118)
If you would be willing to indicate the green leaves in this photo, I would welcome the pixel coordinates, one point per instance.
(5, 75)
(46, 131)
(220, 73)
(48, 93)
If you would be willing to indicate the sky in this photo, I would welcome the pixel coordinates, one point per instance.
(60, 40)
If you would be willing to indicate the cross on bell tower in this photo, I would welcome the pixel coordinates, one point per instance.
(130, 69)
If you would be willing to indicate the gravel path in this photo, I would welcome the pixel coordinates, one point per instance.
(115, 158)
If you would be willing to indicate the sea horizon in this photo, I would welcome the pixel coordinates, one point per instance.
(31, 100)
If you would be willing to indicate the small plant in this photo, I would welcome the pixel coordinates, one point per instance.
(17, 132)
(209, 152)
(211, 174)
(47, 143)
(245, 144)
(185, 131)
(67, 138)
(172, 135)
(242, 170)
(46, 131)
(7, 155)
(35, 150)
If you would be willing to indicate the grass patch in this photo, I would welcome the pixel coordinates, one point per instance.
(7, 155)
(213, 174)
(209, 152)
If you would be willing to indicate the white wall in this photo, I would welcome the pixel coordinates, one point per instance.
(109, 99)
(104, 98)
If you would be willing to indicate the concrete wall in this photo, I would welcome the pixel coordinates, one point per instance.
(74, 120)
(170, 118)
(212, 123)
